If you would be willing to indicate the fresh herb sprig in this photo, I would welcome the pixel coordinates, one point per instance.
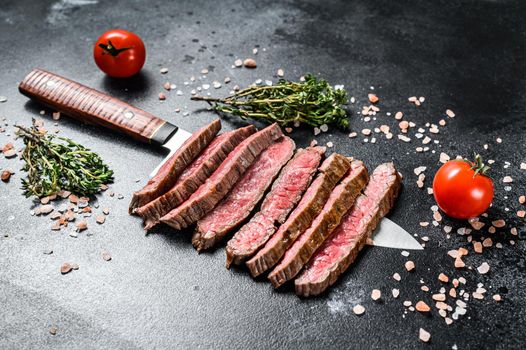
(313, 102)
(57, 163)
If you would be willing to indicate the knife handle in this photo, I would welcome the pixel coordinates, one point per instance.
(94, 107)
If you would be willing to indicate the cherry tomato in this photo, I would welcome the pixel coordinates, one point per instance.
(462, 189)
(119, 53)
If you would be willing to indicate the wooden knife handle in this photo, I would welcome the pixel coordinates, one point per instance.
(92, 106)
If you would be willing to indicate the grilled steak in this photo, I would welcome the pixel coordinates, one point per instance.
(193, 176)
(330, 172)
(174, 166)
(240, 201)
(222, 180)
(286, 192)
(339, 251)
(339, 202)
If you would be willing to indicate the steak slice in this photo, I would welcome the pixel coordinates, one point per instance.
(242, 199)
(339, 251)
(330, 172)
(193, 176)
(285, 193)
(340, 201)
(222, 180)
(174, 166)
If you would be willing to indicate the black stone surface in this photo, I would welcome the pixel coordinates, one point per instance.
(157, 292)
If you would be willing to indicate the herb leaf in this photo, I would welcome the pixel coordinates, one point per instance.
(313, 102)
(57, 163)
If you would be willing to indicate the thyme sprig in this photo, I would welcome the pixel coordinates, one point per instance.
(58, 163)
(313, 102)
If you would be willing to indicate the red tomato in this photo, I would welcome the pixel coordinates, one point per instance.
(462, 189)
(119, 53)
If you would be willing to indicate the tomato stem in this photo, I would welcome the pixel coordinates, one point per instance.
(478, 166)
(110, 49)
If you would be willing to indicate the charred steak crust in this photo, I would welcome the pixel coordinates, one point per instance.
(339, 202)
(241, 200)
(285, 193)
(173, 167)
(222, 180)
(330, 172)
(350, 237)
(193, 176)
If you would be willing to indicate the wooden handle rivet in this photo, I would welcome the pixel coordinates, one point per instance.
(128, 114)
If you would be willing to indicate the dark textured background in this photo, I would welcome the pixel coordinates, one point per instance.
(157, 292)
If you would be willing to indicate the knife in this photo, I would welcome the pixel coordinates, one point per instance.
(94, 107)
(389, 234)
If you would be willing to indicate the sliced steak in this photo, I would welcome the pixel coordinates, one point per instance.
(285, 193)
(193, 176)
(242, 199)
(331, 171)
(339, 251)
(222, 180)
(174, 166)
(340, 201)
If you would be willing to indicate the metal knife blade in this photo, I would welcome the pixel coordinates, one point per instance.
(391, 235)
(173, 144)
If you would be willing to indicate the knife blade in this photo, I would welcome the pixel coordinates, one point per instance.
(390, 235)
(173, 144)
(91, 106)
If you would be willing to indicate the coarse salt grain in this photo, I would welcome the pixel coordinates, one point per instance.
(477, 225)
(443, 278)
(396, 276)
(422, 306)
(376, 294)
(396, 293)
(409, 265)
(507, 179)
(404, 138)
(483, 268)
(450, 113)
(358, 309)
(439, 297)
(419, 170)
(444, 158)
(498, 223)
(424, 335)
(459, 263)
